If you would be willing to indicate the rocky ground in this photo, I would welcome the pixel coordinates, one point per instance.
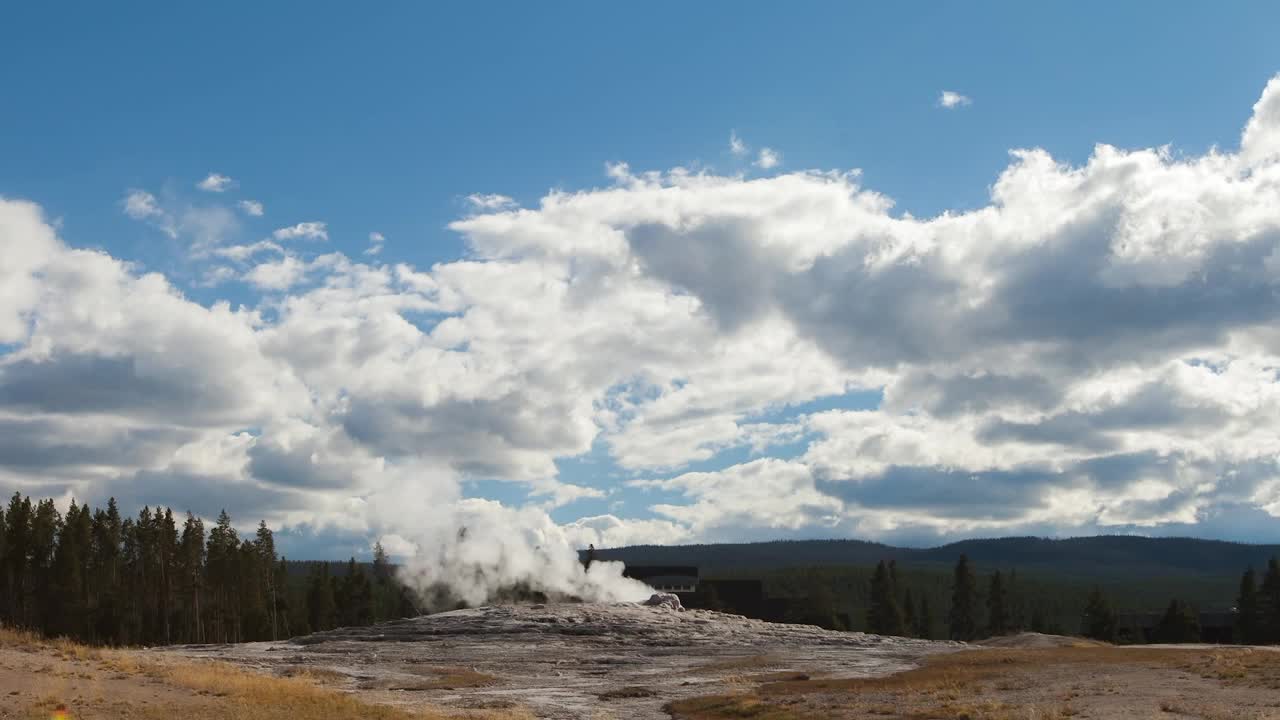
(571, 661)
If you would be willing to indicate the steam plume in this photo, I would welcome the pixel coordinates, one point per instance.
(476, 551)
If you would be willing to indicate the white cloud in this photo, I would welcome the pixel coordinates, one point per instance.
(1093, 349)
(241, 253)
(376, 240)
(768, 158)
(278, 274)
(140, 205)
(304, 230)
(490, 202)
(203, 227)
(251, 207)
(951, 99)
(736, 144)
(215, 183)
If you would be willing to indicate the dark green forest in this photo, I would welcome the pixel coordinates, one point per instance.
(100, 578)
(1078, 586)
(95, 576)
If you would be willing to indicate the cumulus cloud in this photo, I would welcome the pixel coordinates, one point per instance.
(376, 241)
(490, 202)
(252, 208)
(950, 99)
(201, 227)
(215, 182)
(768, 159)
(736, 145)
(1094, 349)
(303, 230)
(277, 274)
(140, 205)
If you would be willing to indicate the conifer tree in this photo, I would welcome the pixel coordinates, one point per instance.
(997, 606)
(1269, 603)
(924, 620)
(1098, 621)
(4, 568)
(964, 592)
(97, 577)
(884, 615)
(320, 598)
(18, 536)
(1180, 624)
(1248, 619)
(908, 614)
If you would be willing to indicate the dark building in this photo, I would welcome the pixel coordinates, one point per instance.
(739, 597)
(679, 579)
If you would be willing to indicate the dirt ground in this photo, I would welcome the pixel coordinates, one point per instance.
(568, 661)
(1028, 678)
(531, 671)
(35, 680)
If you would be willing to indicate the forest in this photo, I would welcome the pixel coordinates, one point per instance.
(95, 576)
(100, 578)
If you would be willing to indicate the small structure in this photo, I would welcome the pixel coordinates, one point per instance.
(665, 578)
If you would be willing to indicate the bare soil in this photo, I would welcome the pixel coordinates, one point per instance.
(600, 662)
(570, 661)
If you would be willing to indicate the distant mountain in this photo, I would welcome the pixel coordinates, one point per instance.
(1102, 557)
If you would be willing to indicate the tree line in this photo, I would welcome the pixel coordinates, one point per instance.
(97, 577)
(893, 611)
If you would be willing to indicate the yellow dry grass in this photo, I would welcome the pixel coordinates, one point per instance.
(976, 684)
(231, 693)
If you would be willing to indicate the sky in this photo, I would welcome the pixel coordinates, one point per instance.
(667, 273)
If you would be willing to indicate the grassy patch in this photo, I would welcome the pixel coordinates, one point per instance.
(230, 693)
(970, 684)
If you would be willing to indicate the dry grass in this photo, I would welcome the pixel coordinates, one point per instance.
(1239, 666)
(320, 676)
(976, 684)
(231, 693)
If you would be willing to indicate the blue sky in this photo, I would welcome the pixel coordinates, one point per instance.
(388, 119)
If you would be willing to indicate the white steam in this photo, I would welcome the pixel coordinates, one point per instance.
(478, 552)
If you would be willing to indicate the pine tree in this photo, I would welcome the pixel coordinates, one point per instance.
(908, 614)
(65, 609)
(100, 578)
(997, 606)
(1017, 604)
(4, 571)
(884, 615)
(221, 571)
(320, 600)
(1180, 624)
(1269, 603)
(265, 545)
(1248, 620)
(924, 620)
(964, 592)
(191, 573)
(1098, 621)
(18, 541)
(45, 523)
(106, 533)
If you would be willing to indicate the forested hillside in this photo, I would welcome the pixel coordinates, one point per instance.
(98, 577)
(1104, 557)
